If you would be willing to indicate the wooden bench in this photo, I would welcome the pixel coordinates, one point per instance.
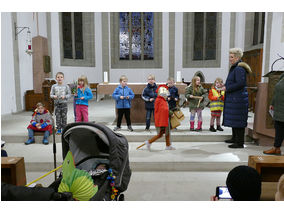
(270, 168)
(93, 87)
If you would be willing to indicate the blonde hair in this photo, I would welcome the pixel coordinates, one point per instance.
(85, 80)
(279, 196)
(39, 104)
(171, 79)
(151, 76)
(238, 52)
(193, 83)
(220, 80)
(123, 78)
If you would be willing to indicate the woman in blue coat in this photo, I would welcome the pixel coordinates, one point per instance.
(236, 103)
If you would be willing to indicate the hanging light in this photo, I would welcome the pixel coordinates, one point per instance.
(29, 42)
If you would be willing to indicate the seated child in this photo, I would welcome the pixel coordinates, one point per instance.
(41, 122)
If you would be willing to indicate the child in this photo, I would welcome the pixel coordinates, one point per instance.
(174, 96)
(83, 95)
(195, 106)
(41, 122)
(123, 96)
(60, 93)
(149, 95)
(161, 118)
(216, 97)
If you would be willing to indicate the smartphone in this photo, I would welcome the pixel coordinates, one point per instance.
(222, 192)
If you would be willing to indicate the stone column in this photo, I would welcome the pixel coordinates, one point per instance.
(40, 49)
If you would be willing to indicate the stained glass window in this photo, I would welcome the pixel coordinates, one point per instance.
(204, 47)
(124, 36)
(72, 43)
(148, 36)
(136, 36)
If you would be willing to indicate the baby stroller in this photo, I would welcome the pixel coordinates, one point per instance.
(93, 144)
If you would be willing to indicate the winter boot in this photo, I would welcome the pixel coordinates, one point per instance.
(45, 138)
(219, 128)
(31, 137)
(232, 140)
(199, 126)
(239, 139)
(273, 151)
(191, 125)
(212, 129)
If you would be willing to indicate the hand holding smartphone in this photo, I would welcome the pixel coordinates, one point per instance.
(222, 192)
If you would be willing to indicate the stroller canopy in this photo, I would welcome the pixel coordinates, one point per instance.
(93, 141)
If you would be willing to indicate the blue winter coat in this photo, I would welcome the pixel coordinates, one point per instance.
(173, 94)
(123, 91)
(149, 92)
(87, 96)
(236, 103)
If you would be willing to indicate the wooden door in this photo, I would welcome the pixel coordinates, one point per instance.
(254, 59)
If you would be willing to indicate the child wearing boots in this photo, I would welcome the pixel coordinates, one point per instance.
(82, 97)
(123, 96)
(161, 118)
(41, 122)
(195, 94)
(216, 97)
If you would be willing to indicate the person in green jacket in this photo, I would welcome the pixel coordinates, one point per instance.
(196, 105)
(277, 105)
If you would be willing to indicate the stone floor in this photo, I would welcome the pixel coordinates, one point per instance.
(200, 162)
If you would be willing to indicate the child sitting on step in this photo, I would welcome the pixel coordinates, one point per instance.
(216, 97)
(41, 122)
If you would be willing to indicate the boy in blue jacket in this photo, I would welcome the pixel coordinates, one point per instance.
(174, 96)
(123, 96)
(149, 95)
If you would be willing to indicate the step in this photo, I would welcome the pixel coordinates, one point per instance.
(193, 156)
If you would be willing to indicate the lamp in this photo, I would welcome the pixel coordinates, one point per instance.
(18, 30)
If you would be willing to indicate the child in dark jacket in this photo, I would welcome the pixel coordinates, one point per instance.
(41, 122)
(149, 95)
(123, 96)
(174, 96)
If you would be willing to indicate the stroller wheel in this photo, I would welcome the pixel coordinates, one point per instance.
(121, 197)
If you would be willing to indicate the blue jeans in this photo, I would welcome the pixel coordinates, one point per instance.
(31, 134)
(148, 117)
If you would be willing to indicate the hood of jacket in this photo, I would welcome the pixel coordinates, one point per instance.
(245, 66)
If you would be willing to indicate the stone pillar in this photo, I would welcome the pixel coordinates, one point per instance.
(40, 49)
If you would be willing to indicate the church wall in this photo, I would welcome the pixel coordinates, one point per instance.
(210, 74)
(8, 103)
(94, 74)
(277, 42)
(140, 75)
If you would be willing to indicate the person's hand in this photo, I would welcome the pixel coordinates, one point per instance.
(151, 99)
(214, 198)
(271, 107)
(169, 98)
(63, 97)
(127, 97)
(176, 99)
(55, 97)
(121, 97)
(223, 88)
(191, 96)
(82, 98)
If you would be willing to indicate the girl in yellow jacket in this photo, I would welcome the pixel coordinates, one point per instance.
(216, 97)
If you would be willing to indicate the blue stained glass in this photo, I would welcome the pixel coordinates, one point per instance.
(136, 35)
(124, 35)
(148, 36)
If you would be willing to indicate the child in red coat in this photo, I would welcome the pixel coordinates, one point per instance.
(161, 116)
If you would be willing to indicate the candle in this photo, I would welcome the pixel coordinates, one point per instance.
(178, 76)
(105, 77)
